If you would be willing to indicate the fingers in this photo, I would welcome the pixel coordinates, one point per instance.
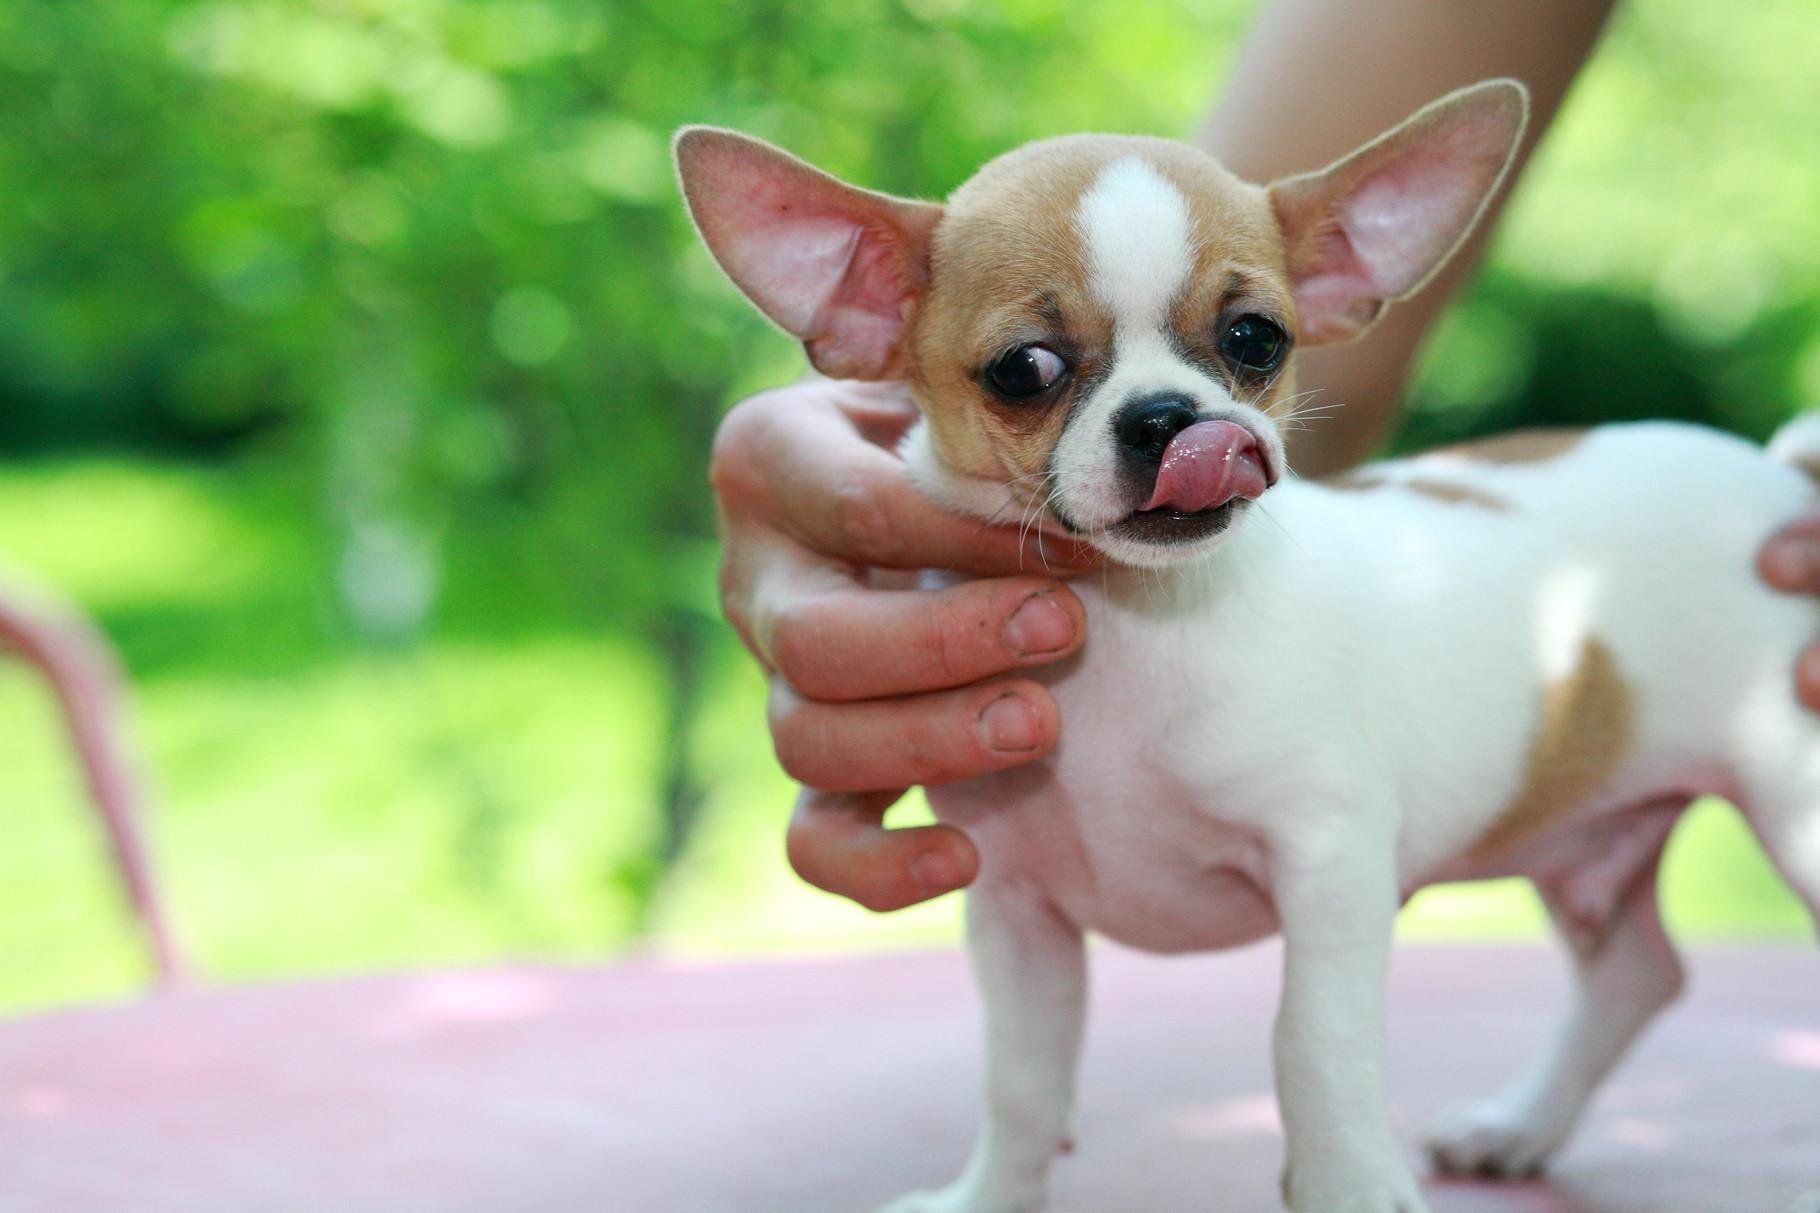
(1790, 561)
(863, 507)
(856, 643)
(839, 843)
(880, 688)
(882, 412)
(923, 739)
(854, 501)
(1807, 677)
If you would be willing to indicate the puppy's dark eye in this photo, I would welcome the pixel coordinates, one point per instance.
(1254, 343)
(1025, 371)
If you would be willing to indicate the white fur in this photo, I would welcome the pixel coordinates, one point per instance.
(1134, 229)
(1327, 713)
(1133, 226)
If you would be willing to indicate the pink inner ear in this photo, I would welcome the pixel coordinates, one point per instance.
(862, 321)
(836, 266)
(1335, 295)
(1404, 220)
(1375, 226)
(789, 260)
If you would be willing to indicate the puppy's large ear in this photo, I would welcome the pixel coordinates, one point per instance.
(839, 267)
(1377, 225)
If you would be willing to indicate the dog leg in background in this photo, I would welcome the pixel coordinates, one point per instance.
(1031, 968)
(79, 667)
(1337, 895)
(1779, 743)
(1625, 972)
(1786, 818)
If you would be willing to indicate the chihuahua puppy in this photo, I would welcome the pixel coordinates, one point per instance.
(1299, 701)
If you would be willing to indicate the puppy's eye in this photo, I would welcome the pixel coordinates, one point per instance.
(1025, 371)
(1255, 344)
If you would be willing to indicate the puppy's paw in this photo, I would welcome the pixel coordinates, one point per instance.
(1491, 1141)
(964, 1198)
(1384, 1188)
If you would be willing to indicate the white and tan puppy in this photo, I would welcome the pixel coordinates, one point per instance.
(1299, 701)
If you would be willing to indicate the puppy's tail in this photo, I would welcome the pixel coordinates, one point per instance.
(1798, 444)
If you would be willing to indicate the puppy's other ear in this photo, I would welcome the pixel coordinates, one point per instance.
(839, 267)
(1377, 225)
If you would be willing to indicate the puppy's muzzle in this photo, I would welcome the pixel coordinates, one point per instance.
(1192, 464)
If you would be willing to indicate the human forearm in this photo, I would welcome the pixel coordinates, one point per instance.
(1317, 77)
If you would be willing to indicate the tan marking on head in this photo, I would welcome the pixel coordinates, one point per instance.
(1587, 725)
(1524, 446)
(1008, 264)
(1363, 480)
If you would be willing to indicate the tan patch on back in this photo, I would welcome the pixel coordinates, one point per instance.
(1586, 727)
(1360, 481)
(1810, 468)
(1456, 494)
(1524, 446)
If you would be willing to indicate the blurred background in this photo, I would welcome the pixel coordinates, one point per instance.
(357, 370)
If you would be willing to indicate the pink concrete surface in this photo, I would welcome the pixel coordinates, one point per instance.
(830, 1085)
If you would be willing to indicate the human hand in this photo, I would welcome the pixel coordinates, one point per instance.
(1790, 561)
(874, 690)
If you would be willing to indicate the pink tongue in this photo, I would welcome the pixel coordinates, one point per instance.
(1207, 465)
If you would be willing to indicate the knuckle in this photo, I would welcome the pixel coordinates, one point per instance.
(741, 611)
(792, 756)
(800, 848)
(947, 646)
(733, 454)
(794, 738)
(861, 519)
(931, 752)
(956, 636)
(726, 475)
(797, 649)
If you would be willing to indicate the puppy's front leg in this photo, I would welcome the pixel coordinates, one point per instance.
(1337, 895)
(1030, 966)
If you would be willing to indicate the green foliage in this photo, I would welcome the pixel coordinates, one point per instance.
(400, 293)
(457, 218)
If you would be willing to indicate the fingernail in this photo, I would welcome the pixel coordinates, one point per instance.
(1039, 626)
(936, 872)
(1009, 725)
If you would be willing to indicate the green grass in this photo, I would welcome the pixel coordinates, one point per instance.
(490, 793)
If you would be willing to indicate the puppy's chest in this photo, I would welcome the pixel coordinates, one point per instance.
(1137, 826)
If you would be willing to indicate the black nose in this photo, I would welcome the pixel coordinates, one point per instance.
(1144, 427)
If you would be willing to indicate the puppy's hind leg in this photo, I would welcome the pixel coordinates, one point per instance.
(1787, 822)
(1625, 972)
(1030, 966)
(1778, 774)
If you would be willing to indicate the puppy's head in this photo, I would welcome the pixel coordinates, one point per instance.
(1098, 328)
